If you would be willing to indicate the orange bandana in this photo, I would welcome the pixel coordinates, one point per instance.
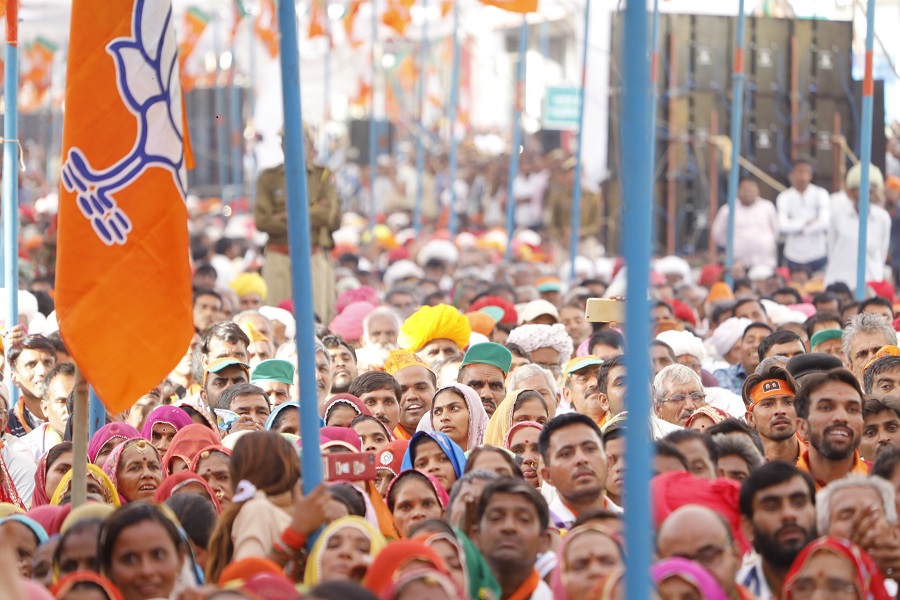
(768, 389)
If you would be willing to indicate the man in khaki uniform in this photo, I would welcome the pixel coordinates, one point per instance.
(324, 218)
(559, 205)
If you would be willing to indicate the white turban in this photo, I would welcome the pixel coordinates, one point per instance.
(728, 333)
(532, 337)
(684, 342)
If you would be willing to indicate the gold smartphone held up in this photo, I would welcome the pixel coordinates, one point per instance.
(604, 310)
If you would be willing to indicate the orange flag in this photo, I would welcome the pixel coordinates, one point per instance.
(315, 21)
(123, 285)
(266, 26)
(517, 6)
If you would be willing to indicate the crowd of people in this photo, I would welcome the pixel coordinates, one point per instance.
(472, 421)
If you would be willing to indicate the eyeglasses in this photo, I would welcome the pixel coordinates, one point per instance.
(708, 556)
(696, 397)
(806, 587)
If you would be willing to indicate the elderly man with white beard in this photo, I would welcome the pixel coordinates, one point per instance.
(380, 331)
(690, 352)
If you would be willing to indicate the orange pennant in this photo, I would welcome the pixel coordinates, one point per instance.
(266, 27)
(123, 287)
(315, 21)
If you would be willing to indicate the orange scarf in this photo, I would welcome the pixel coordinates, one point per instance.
(528, 587)
(860, 466)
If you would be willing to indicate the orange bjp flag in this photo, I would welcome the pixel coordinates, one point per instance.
(517, 6)
(123, 283)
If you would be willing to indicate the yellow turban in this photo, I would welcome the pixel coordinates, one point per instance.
(434, 323)
(253, 333)
(249, 283)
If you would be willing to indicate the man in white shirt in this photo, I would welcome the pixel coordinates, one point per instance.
(804, 218)
(756, 227)
(843, 234)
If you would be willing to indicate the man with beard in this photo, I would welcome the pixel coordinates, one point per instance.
(571, 446)
(830, 415)
(769, 398)
(580, 390)
(417, 387)
(323, 373)
(677, 393)
(380, 393)
(510, 530)
(380, 330)
(343, 363)
(778, 513)
(484, 368)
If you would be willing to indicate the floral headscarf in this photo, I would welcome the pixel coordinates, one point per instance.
(869, 581)
(478, 418)
(439, 491)
(187, 443)
(313, 574)
(690, 572)
(110, 494)
(502, 419)
(107, 433)
(173, 483)
(170, 415)
(480, 580)
(388, 566)
(111, 467)
(451, 449)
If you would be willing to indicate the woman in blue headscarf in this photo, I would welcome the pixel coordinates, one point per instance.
(434, 453)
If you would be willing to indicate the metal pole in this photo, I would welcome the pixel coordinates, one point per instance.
(637, 171)
(373, 146)
(517, 138)
(221, 119)
(300, 247)
(737, 112)
(575, 233)
(80, 433)
(454, 114)
(235, 129)
(11, 172)
(420, 138)
(865, 153)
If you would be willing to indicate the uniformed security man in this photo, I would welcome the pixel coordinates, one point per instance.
(324, 217)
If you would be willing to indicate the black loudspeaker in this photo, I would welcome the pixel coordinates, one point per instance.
(206, 125)
(550, 139)
(359, 138)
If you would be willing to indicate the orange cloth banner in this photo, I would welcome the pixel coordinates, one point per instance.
(123, 286)
(517, 6)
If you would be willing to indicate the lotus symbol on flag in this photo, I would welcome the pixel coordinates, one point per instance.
(147, 80)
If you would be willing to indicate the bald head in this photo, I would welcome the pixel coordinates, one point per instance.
(702, 535)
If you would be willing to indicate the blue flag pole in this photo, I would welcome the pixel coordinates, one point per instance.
(300, 246)
(11, 172)
(654, 103)
(373, 134)
(865, 153)
(420, 138)
(575, 233)
(519, 100)
(96, 414)
(737, 112)
(636, 187)
(454, 113)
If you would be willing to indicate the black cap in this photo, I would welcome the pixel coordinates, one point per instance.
(814, 362)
